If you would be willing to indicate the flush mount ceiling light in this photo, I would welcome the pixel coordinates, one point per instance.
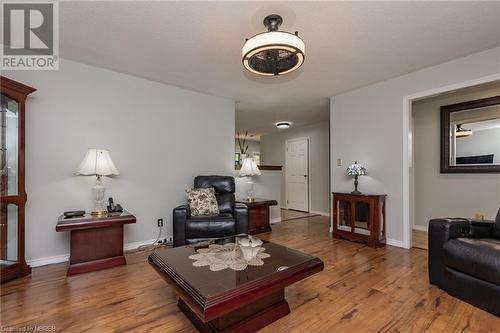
(283, 124)
(462, 132)
(273, 52)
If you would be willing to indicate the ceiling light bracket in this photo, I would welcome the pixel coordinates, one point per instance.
(272, 22)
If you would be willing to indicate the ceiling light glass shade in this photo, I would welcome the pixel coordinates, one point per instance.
(273, 52)
(249, 168)
(283, 124)
(97, 162)
(259, 53)
(462, 132)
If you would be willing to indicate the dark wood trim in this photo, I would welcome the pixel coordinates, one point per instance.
(259, 217)
(258, 202)
(93, 222)
(250, 318)
(376, 203)
(220, 304)
(88, 251)
(14, 86)
(95, 265)
(19, 92)
(263, 167)
(445, 140)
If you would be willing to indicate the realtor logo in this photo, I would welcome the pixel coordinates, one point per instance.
(30, 36)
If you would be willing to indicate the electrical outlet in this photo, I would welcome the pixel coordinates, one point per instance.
(339, 162)
(160, 223)
(479, 216)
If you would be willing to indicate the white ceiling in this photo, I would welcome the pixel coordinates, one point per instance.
(197, 45)
(483, 125)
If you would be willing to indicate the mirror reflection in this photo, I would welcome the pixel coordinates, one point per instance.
(475, 136)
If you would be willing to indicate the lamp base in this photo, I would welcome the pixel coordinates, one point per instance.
(356, 186)
(99, 192)
(99, 212)
(250, 197)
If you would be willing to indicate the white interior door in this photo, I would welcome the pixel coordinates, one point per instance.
(297, 174)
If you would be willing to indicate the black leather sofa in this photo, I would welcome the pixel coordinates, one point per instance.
(464, 260)
(231, 220)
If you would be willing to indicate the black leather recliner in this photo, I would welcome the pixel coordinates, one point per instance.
(231, 220)
(464, 260)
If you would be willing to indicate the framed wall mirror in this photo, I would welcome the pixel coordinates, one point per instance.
(470, 136)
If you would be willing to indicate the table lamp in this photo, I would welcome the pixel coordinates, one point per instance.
(97, 162)
(249, 169)
(355, 170)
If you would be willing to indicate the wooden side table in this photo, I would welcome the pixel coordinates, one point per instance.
(258, 215)
(96, 242)
(359, 218)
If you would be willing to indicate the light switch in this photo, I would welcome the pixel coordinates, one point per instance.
(339, 162)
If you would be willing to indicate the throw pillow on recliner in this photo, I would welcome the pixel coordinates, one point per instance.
(202, 201)
(497, 224)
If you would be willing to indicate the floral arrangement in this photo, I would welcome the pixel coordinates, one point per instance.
(356, 170)
(241, 143)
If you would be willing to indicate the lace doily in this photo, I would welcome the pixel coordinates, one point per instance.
(229, 255)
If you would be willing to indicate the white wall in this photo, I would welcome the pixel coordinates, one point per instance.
(482, 142)
(367, 126)
(267, 186)
(437, 194)
(273, 153)
(160, 138)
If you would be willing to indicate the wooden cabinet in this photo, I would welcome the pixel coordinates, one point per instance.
(12, 174)
(96, 241)
(359, 218)
(258, 215)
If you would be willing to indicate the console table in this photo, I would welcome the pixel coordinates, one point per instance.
(96, 241)
(359, 217)
(258, 215)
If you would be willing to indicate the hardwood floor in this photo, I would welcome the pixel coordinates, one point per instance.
(419, 239)
(361, 290)
(289, 214)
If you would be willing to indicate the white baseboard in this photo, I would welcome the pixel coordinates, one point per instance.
(48, 260)
(275, 220)
(421, 227)
(65, 257)
(319, 213)
(394, 242)
(135, 245)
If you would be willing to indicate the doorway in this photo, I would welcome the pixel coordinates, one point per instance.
(297, 174)
(408, 158)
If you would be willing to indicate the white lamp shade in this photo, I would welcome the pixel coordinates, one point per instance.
(97, 162)
(249, 168)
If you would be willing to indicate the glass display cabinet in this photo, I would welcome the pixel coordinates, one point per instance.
(359, 217)
(12, 173)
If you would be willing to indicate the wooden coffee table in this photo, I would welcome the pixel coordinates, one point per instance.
(234, 301)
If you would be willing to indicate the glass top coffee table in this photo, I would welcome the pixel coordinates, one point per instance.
(233, 300)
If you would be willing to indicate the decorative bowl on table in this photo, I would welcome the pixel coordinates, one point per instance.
(250, 247)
